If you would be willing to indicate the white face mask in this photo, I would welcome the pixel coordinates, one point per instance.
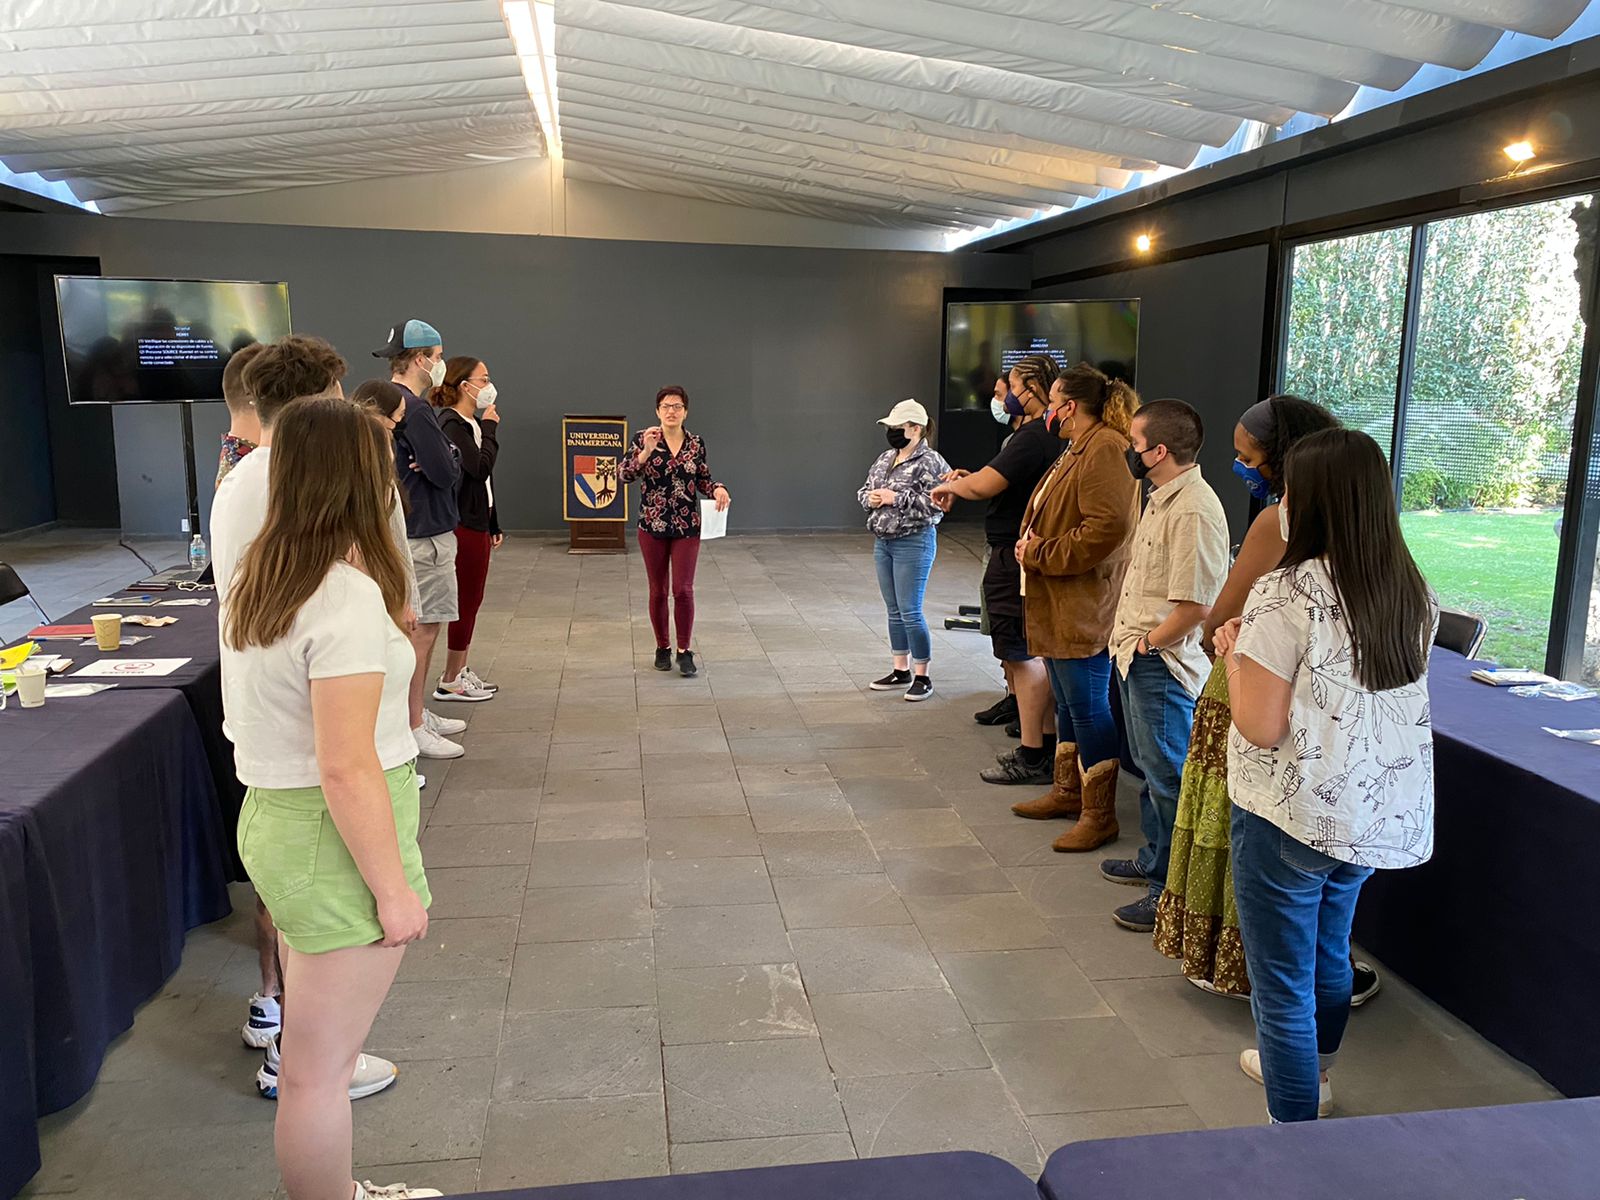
(436, 372)
(1283, 521)
(486, 395)
(997, 409)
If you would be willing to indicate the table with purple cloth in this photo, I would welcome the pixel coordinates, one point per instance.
(193, 636)
(111, 849)
(1548, 1151)
(1502, 927)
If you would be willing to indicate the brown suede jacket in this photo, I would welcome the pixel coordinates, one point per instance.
(1082, 517)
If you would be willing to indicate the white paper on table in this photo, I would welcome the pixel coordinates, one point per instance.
(184, 603)
(713, 524)
(130, 668)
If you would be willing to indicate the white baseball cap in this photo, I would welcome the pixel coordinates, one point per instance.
(907, 412)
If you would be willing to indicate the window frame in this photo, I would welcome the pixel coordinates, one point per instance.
(1567, 635)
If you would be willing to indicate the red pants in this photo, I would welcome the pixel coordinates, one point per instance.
(679, 556)
(472, 572)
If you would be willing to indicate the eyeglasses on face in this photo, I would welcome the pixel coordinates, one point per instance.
(673, 408)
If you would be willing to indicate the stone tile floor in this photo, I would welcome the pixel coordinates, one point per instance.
(763, 916)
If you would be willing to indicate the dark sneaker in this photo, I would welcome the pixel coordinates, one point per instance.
(686, 666)
(1012, 768)
(1365, 985)
(921, 688)
(1124, 870)
(663, 659)
(1002, 712)
(894, 681)
(1014, 729)
(1140, 916)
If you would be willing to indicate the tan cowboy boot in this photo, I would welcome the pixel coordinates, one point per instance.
(1065, 799)
(1098, 823)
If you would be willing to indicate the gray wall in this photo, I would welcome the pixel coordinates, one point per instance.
(789, 355)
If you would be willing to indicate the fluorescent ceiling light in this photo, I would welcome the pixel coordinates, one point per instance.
(533, 33)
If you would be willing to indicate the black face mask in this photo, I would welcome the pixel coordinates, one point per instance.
(1136, 463)
(898, 438)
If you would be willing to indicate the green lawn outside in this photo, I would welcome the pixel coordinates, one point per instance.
(1499, 565)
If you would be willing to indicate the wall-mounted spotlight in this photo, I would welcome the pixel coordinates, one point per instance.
(1142, 243)
(1520, 152)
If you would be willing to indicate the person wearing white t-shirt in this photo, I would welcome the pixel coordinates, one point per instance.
(1330, 758)
(316, 673)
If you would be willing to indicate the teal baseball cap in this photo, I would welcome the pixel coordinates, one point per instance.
(408, 335)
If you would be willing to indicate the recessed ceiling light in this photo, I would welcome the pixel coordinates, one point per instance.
(1142, 243)
(1520, 152)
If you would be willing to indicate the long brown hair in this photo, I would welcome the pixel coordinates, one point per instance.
(457, 371)
(330, 487)
(1341, 510)
(1102, 397)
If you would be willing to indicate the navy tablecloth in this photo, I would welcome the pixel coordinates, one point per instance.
(958, 1175)
(1541, 1151)
(1502, 927)
(194, 637)
(111, 849)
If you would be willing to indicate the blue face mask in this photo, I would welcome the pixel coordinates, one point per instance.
(997, 409)
(1254, 480)
(1014, 404)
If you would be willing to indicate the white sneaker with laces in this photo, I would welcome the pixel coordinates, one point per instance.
(432, 745)
(462, 688)
(443, 726)
(391, 1191)
(1250, 1064)
(371, 1076)
(265, 1023)
(477, 680)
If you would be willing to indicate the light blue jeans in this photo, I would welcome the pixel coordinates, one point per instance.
(1296, 906)
(903, 565)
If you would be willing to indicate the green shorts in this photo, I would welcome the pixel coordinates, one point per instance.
(305, 875)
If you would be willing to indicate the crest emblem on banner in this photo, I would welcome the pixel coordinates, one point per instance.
(594, 480)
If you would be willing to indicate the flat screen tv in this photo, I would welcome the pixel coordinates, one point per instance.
(160, 341)
(984, 339)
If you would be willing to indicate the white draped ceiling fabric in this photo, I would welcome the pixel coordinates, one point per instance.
(920, 113)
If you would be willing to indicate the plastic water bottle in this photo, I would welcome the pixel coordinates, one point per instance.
(199, 557)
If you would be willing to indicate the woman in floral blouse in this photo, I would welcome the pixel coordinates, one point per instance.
(669, 464)
(903, 517)
(1330, 759)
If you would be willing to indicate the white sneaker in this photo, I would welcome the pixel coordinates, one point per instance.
(391, 1191)
(422, 782)
(477, 680)
(1211, 989)
(1250, 1064)
(432, 745)
(372, 1074)
(265, 1023)
(462, 689)
(443, 726)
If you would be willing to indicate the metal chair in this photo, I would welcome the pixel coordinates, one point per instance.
(1461, 632)
(12, 588)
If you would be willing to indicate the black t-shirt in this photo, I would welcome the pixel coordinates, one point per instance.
(1023, 460)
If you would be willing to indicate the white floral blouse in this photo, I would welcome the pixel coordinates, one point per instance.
(1354, 777)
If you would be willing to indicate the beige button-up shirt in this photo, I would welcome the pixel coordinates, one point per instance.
(1180, 553)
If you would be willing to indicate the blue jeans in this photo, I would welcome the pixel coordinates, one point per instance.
(1295, 909)
(1082, 688)
(903, 564)
(1159, 715)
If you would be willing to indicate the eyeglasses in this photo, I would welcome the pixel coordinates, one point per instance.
(673, 408)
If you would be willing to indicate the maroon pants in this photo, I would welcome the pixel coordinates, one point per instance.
(677, 557)
(472, 572)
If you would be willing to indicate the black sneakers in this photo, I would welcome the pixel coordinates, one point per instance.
(894, 681)
(1002, 712)
(1365, 984)
(663, 658)
(686, 666)
(921, 688)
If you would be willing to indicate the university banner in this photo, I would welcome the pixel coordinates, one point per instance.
(593, 449)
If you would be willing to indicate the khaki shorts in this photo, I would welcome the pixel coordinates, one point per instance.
(304, 873)
(434, 561)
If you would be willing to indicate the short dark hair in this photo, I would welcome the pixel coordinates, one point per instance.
(233, 388)
(288, 369)
(672, 389)
(1175, 425)
(401, 363)
(379, 396)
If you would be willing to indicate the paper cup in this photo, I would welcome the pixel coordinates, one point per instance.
(30, 686)
(107, 630)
